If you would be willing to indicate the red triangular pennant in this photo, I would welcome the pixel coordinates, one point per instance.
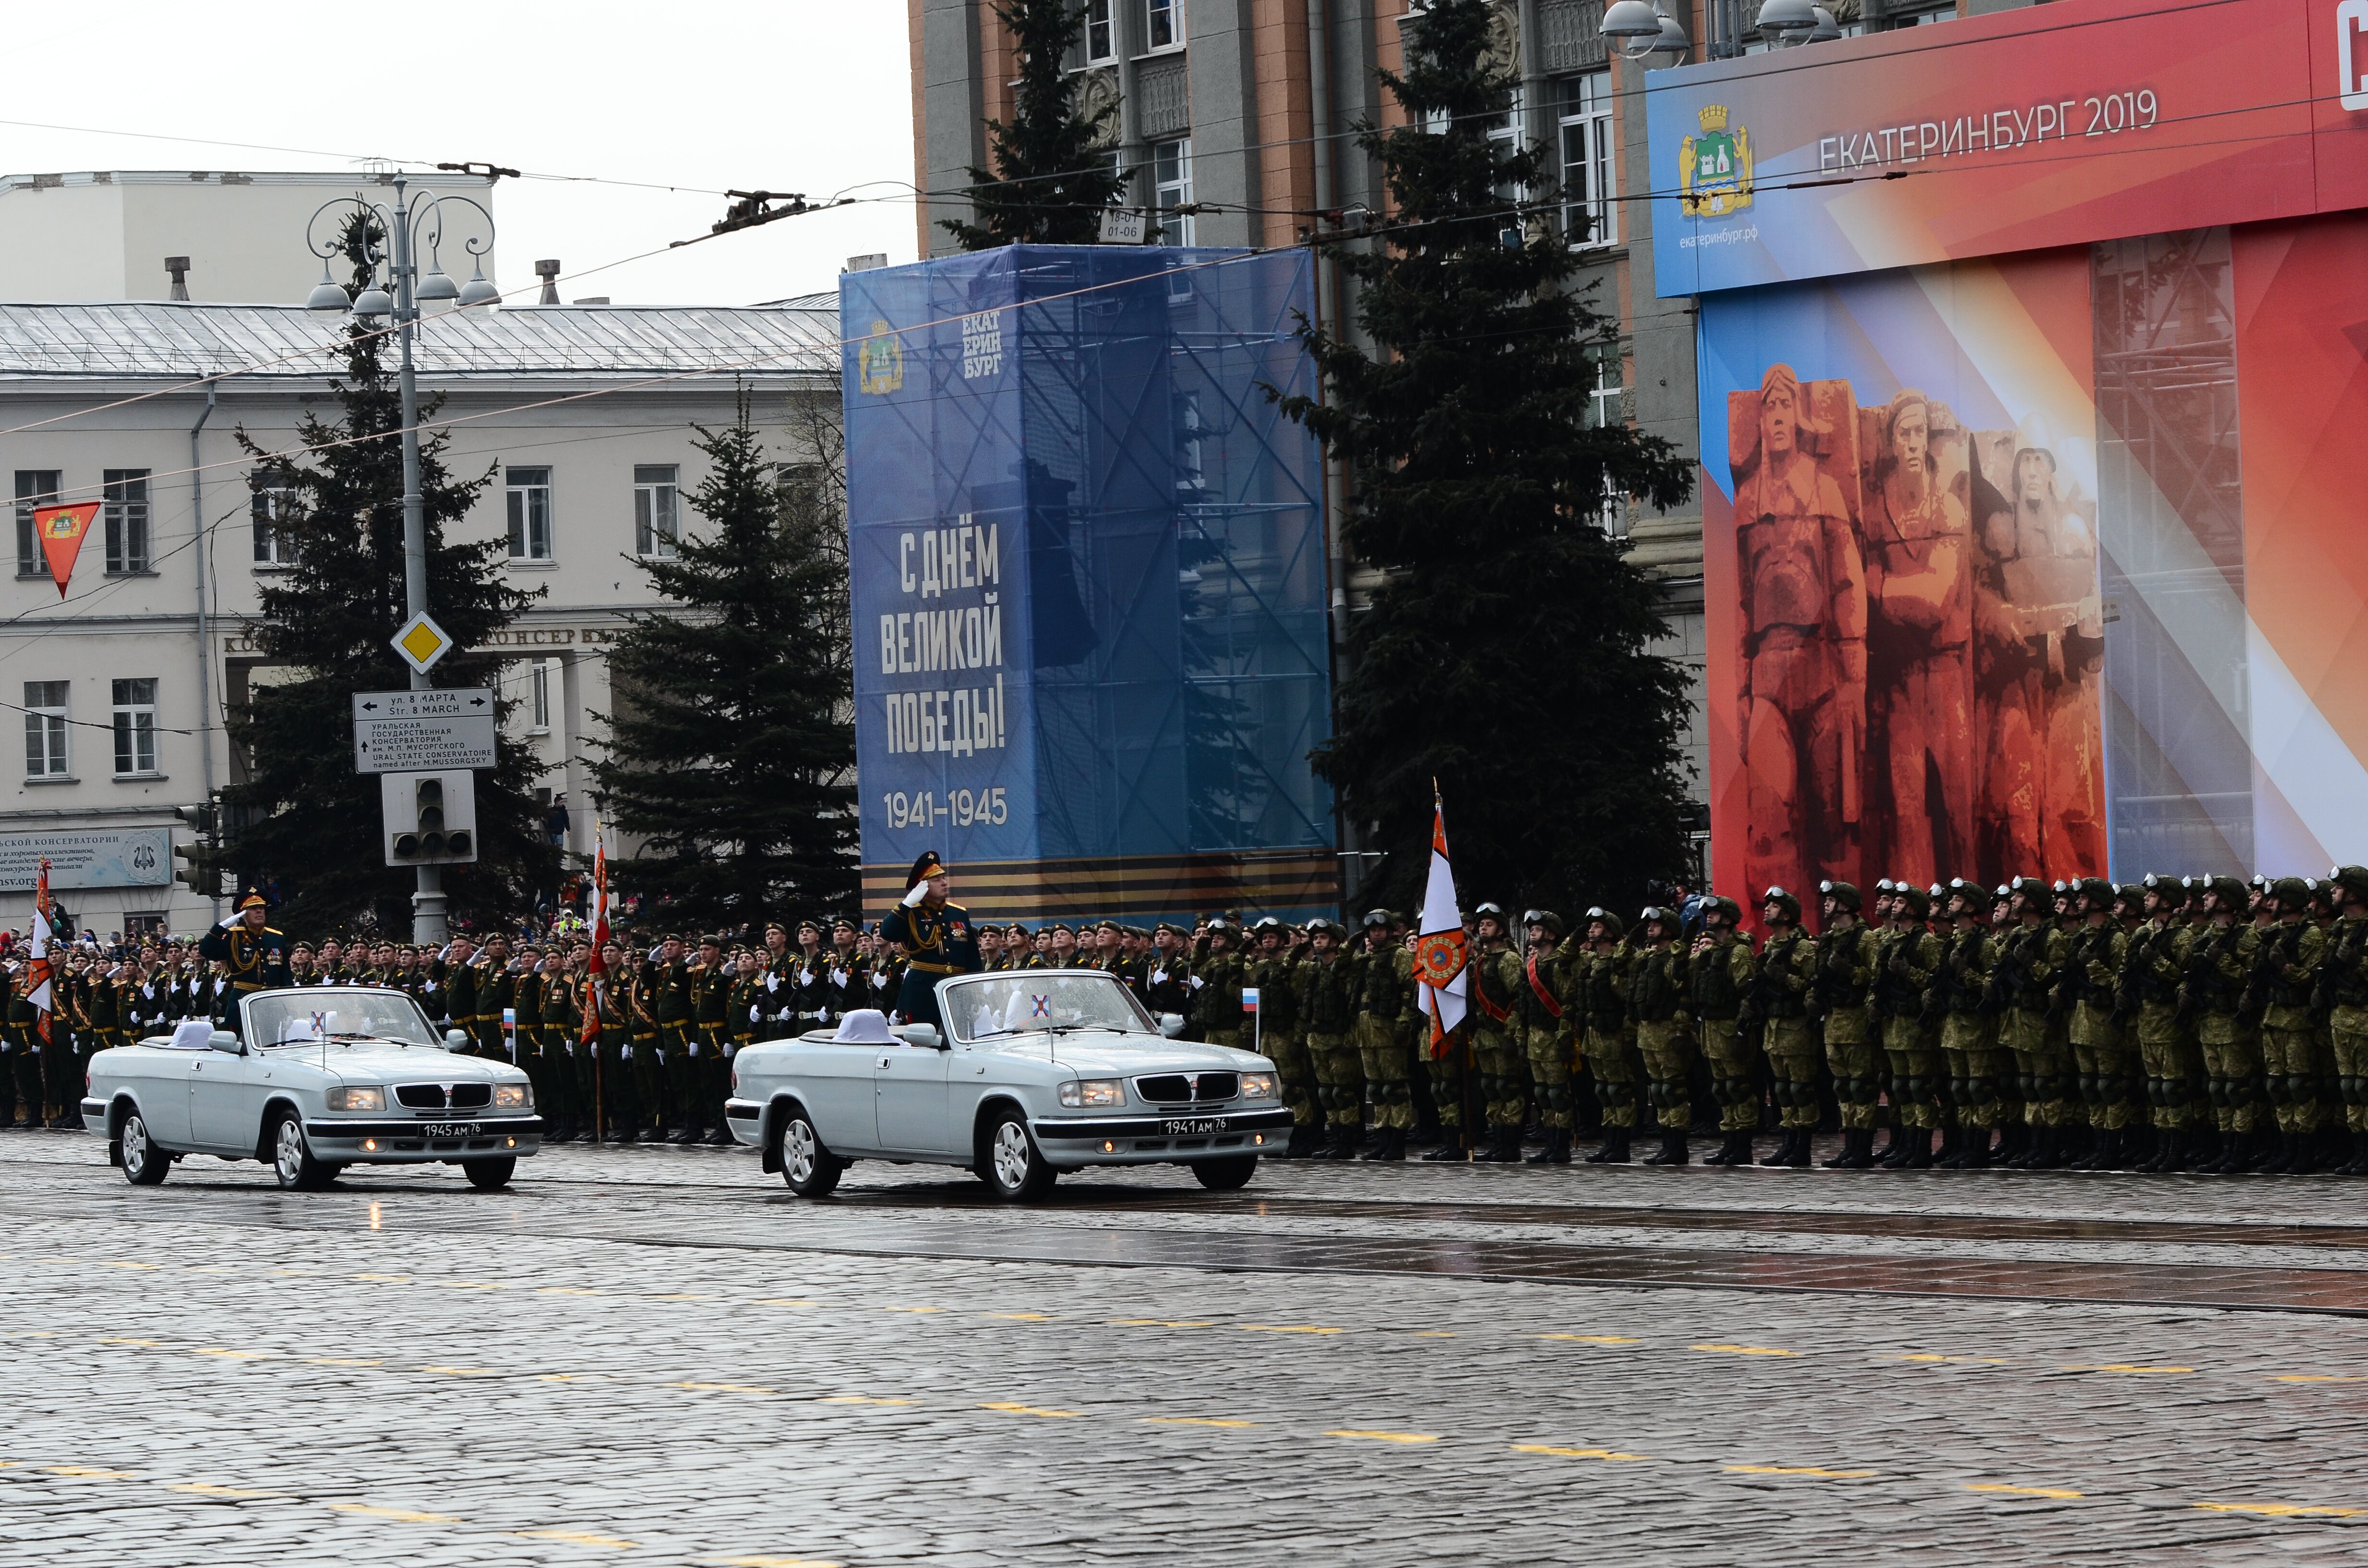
(61, 531)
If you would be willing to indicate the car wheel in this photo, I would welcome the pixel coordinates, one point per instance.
(490, 1175)
(1012, 1164)
(291, 1161)
(1224, 1176)
(811, 1170)
(145, 1165)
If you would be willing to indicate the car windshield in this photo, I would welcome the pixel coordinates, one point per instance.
(1041, 999)
(284, 1018)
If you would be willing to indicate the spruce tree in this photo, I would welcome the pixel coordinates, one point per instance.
(1506, 654)
(1049, 183)
(304, 821)
(731, 749)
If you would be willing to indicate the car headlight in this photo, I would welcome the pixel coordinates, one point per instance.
(1257, 1086)
(1094, 1092)
(357, 1098)
(513, 1096)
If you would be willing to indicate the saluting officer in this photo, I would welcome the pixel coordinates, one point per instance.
(254, 953)
(934, 937)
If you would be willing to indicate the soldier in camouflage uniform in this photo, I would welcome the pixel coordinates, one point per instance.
(1384, 1006)
(1327, 1009)
(2023, 988)
(1719, 972)
(1609, 1040)
(1216, 986)
(1657, 1005)
(1969, 1051)
(2290, 955)
(1281, 1037)
(1545, 1034)
(1845, 956)
(2342, 992)
(1908, 958)
(1496, 1036)
(2104, 1061)
(1780, 1001)
(2150, 985)
(2221, 953)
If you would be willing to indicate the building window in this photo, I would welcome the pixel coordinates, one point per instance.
(530, 503)
(35, 487)
(657, 499)
(1610, 383)
(270, 507)
(135, 727)
(45, 728)
(539, 695)
(1588, 210)
(1171, 190)
(1164, 23)
(1102, 43)
(126, 495)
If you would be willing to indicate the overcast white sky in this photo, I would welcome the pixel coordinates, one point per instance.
(808, 96)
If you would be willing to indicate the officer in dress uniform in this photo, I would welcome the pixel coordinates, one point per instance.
(254, 952)
(936, 937)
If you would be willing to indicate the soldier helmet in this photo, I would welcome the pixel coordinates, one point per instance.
(2231, 893)
(924, 866)
(1544, 918)
(1784, 901)
(1884, 887)
(1918, 901)
(1844, 895)
(1489, 912)
(1612, 928)
(1265, 922)
(1653, 912)
(2031, 888)
(2173, 890)
(1958, 889)
(2352, 880)
(2291, 891)
(1376, 917)
(2094, 892)
(1720, 908)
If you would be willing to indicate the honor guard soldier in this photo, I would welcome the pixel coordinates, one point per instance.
(1656, 1004)
(497, 993)
(1719, 973)
(1496, 1042)
(255, 955)
(1969, 1053)
(1779, 1004)
(1327, 1008)
(1166, 983)
(934, 935)
(709, 1072)
(2104, 1059)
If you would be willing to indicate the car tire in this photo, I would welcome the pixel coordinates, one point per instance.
(144, 1163)
(1225, 1175)
(1010, 1162)
(292, 1161)
(490, 1174)
(810, 1169)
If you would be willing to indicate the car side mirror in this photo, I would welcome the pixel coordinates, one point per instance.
(455, 1039)
(923, 1034)
(1171, 1024)
(226, 1043)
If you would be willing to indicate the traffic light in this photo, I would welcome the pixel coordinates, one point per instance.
(430, 818)
(202, 874)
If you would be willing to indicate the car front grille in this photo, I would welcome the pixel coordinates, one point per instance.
(420, 1096)
(439, 1096)
(472, 1097)
(1189, 1089)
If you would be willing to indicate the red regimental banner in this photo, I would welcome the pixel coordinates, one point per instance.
(60, 530)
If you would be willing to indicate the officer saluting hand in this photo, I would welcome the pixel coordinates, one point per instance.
(254, 952)
(936, 937)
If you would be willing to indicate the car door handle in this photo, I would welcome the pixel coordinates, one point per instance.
(884, 1061)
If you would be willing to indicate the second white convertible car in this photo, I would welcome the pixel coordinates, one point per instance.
(1037, 1071)
(316, 1079)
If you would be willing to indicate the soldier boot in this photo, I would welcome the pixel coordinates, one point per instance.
(1390, 1146)
(1616, 1147)
(1504, 1146)
(1673, 1150)
(1342, 1145)
(1858, 1150)
(1557, 1149)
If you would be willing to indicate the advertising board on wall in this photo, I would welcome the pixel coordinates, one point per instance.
(2031, 477)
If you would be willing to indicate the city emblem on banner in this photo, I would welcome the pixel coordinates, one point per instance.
(1714, 168)
(61, 531)
(879, 362)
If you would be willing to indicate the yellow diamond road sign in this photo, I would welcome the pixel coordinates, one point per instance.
(422, 642)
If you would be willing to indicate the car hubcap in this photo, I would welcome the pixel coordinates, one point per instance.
(798, 1151)
(290, 1151)
(135, 1145)
(1011, 1155)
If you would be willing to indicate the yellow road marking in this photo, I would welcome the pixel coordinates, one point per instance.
(566, 1290)
(858, 1399)
(1743, 1349)
(1798, 1469)
(1011, 1409)
(203, 1489)
(1574, 1453)
(1436, 1334)
(2300, 1377)
(87, 1474)
(2281, 1510)
(1024, 1317)
(2125, 1367)
(1384, 1437)
(577, 1537)
(2022, 1490)
(134, 1266)
(694, 1296)
(726, 1387)
(1596, 1338)
(1156, 1322)
(385, 1278)
(1289, 1328)
(1970, 1361)
(472, 1285)
(240, 1355)
(340, 1361)
(1194, 1421)
(912, 1308)
(404, 1516)
(463, 1372)
(145, 1344)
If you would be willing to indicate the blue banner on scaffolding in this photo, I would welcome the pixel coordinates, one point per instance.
(1088, 580)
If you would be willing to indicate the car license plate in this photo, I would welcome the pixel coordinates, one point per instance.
(1185, 1126)
(449, 1129)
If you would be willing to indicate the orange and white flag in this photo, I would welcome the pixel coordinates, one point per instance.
(599, 924)
(37, 967)
(60, 530)
(1439, 950)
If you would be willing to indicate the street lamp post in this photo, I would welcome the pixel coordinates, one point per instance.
(428, 920)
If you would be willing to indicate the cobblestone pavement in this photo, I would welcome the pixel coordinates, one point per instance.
(657, 1356)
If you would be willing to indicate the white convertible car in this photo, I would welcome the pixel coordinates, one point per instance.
(1037, 1071)
(324, 1078)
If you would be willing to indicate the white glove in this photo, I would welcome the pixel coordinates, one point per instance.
(805, 977)
(879, 981)
(628, 1049)
(752, 1015)
(1195, 982)
(916, 893)
(694, 1046)
(1158, 977)
(772, 981)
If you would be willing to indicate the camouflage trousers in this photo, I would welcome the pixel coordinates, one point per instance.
(1731, 1059)
(2350, 1048)
(1446, 1080)
(1382, 1054)
(1856, 1067)
(2233, 1085)
(2289, 1064)
(2173, 1065)
(1612, 1063)
(1549, 1049)
(1294, 1066)
(2106, 1072)
(1971, 1063)
(1668, 1050)
(1340, 1078)
(2042, 1066)
(1909, 1052)
(1792, 1052)
(1503, 1081)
